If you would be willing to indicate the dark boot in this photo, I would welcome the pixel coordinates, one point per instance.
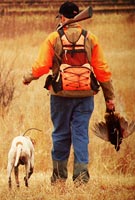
(59, 171)
(80, 173)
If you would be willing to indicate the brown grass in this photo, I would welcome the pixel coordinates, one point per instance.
(112, 173)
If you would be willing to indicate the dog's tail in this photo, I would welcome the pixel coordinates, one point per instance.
(31, 129)
(18, 153)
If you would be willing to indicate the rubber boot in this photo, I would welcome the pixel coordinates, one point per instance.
(80, 173)
(59, 171)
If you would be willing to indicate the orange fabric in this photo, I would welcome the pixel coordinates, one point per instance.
(74, 79)
(45, 57)
(98, 62)
(46, 53)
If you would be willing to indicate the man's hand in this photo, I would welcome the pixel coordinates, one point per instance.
(27, 78)
(25, 82)
(110, 106)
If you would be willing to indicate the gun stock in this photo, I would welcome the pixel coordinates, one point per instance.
(85, 14)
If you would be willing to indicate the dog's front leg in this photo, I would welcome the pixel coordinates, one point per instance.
(16, 171)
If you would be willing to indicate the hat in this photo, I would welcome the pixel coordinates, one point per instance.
(69, 9)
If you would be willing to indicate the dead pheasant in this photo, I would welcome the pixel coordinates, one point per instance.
(114, 129)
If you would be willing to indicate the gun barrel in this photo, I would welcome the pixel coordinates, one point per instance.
(85, 14)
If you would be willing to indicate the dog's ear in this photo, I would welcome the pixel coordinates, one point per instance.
(33, 141)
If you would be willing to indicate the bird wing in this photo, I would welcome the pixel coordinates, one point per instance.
(100, 130)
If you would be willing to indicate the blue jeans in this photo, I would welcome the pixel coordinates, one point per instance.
(70, 117)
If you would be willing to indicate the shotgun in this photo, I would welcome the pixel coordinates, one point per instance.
(84, 14)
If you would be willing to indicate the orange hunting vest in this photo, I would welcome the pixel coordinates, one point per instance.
(74, 72)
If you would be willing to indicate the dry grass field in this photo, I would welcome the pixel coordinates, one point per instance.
(112, 173)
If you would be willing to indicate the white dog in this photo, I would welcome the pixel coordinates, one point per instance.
(21, 152)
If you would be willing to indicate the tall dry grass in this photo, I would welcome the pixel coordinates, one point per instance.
(112, 173)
